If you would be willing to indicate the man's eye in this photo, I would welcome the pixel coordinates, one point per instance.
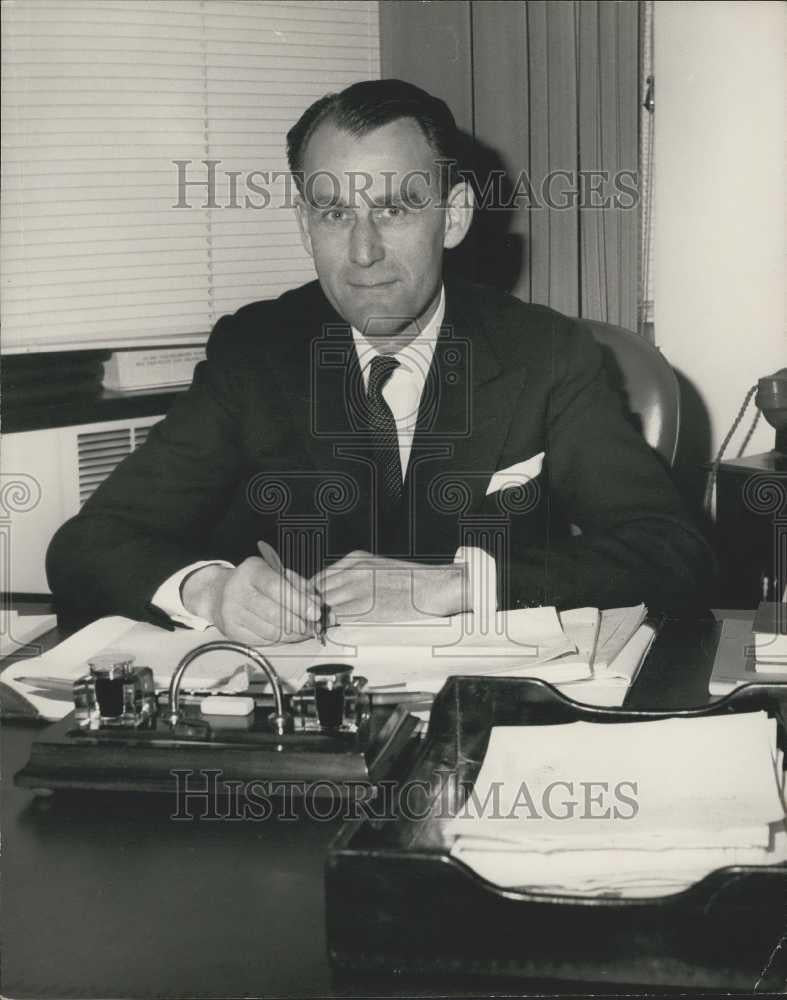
(335, 215)
(392, 212)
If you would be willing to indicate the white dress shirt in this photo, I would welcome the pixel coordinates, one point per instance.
(402, 392)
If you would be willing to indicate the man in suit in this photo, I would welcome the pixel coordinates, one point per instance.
(401, 440)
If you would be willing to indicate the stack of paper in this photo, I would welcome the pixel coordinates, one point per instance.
(46, 681)
(421, 655)
(770, 638)
(414, 656)
(615, 643)
(734, 663)
(601, 636)
(636, 809)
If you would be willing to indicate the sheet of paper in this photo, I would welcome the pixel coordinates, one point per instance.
(596, 691)
(421, 655)
(418, 655)
(67, 660)
(625, 665)
(734, 657)
(699, 794)
(704, 782)
(16, 630)
(149, 645)
(581, 626)
(618, 872)
(608, 687)
(524, 632)
(606, 637)
(617, 627)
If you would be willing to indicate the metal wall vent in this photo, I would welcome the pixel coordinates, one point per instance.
(100, 452)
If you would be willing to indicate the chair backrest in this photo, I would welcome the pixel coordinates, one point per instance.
(648, 383)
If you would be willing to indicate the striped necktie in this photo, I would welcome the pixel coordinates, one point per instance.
(385, 439)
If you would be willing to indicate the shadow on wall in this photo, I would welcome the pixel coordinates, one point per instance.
(494, 255)
(490, 253)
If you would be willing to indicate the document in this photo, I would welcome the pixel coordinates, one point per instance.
(624, 873)
(769, 632)
(609, 684)
(17, 630)
(147, 644)
(631, 808)
(614, 643)
(601, 636)
(416, 656)
(421, 655)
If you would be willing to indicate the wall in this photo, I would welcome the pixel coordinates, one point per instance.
(719, 205)
(430, 45)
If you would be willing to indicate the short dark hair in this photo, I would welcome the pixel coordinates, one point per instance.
(370, 104)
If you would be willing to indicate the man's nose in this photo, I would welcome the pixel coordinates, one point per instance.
(366, 247)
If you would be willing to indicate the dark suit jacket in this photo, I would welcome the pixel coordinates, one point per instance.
(269, 443)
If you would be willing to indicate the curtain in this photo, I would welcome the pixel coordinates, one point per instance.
(556, 87)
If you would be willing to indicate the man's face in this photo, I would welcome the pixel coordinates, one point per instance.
(372, 219)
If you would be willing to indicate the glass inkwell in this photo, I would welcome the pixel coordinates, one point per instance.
(114, 693)
(331, 699)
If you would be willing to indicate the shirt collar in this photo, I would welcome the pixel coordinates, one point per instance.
(416, 357)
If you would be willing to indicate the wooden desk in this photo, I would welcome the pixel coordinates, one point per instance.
(108, 896)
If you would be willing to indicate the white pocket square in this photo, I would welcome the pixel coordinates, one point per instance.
(516, 475)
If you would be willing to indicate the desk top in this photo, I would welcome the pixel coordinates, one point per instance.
(768, 461)
(110, 896)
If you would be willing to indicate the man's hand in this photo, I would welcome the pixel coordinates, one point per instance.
(362, 585)
(253, 603)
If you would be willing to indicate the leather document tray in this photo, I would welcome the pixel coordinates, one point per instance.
(396, 899)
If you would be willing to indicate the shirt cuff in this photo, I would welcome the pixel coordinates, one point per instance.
(481, 580)
(167, 598)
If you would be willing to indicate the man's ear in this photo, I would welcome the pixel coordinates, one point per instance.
(302, 215)
(458, 214)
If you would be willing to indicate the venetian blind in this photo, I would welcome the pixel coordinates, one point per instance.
(102, 242)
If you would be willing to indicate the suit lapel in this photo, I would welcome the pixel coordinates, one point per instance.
(469, 398)
(464, 419)
(327, 479)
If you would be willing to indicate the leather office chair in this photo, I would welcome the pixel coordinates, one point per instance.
(647, 382)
